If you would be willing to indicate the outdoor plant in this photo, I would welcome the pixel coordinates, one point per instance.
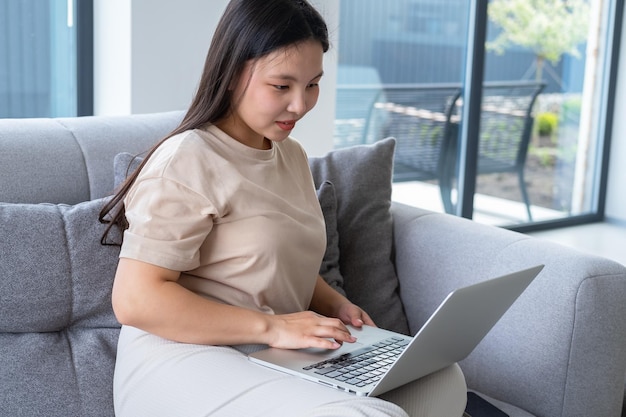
(547, 123)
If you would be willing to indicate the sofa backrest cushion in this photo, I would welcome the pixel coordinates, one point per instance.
(69, 160)
(58, 334)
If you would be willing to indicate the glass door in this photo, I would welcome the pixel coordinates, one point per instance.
(544, 107)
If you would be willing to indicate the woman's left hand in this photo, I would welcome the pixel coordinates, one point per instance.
(328, 302)
(353, 315)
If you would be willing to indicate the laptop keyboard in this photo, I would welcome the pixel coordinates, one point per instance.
(363, 366)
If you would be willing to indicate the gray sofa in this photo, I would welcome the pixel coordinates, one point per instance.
(559, 351)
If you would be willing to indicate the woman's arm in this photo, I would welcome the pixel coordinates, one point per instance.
(330, 303)
(148, 297)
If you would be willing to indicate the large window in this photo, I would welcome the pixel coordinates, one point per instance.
(45, 58)
(499, 108)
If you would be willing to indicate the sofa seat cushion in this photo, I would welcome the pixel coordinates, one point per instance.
(58, 333)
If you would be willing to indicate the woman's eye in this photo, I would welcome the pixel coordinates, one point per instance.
(313, 85)
(281, 87)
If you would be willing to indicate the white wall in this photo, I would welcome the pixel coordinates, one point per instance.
(149, 56)
(615, 196)
(112, 57)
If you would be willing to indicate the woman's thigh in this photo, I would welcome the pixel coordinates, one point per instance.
(156, 377)
(443, 393)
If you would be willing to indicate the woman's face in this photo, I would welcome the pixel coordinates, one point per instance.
(273, 93)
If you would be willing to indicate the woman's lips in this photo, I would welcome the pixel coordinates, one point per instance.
(287, 125)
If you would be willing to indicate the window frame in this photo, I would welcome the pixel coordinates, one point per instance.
(84, 58)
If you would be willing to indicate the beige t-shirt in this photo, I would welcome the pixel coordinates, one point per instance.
(244, 225)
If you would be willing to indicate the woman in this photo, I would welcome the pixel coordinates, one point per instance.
(224, 238)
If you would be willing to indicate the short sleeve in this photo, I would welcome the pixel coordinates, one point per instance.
(168, 223)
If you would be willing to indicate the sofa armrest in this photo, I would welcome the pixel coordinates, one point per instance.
(559, 350)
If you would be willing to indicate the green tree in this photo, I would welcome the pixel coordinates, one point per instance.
(550, 28)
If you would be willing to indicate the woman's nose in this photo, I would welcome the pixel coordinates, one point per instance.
(297, 104)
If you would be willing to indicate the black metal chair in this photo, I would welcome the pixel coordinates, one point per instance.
(506, 124)
(418, 116)
(425, 119)
(506, 129)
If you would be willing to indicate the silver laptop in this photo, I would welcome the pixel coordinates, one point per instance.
(381, 360)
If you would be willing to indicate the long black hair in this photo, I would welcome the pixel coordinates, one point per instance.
(248, 30)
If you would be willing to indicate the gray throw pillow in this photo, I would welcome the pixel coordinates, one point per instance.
(124, 164)
(58, 332)
(73, 286)
(361, 176)
(330, 264)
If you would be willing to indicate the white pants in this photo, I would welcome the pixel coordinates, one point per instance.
(157, 377)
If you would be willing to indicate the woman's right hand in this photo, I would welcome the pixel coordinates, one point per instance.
(307, 330)
(149, 297)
